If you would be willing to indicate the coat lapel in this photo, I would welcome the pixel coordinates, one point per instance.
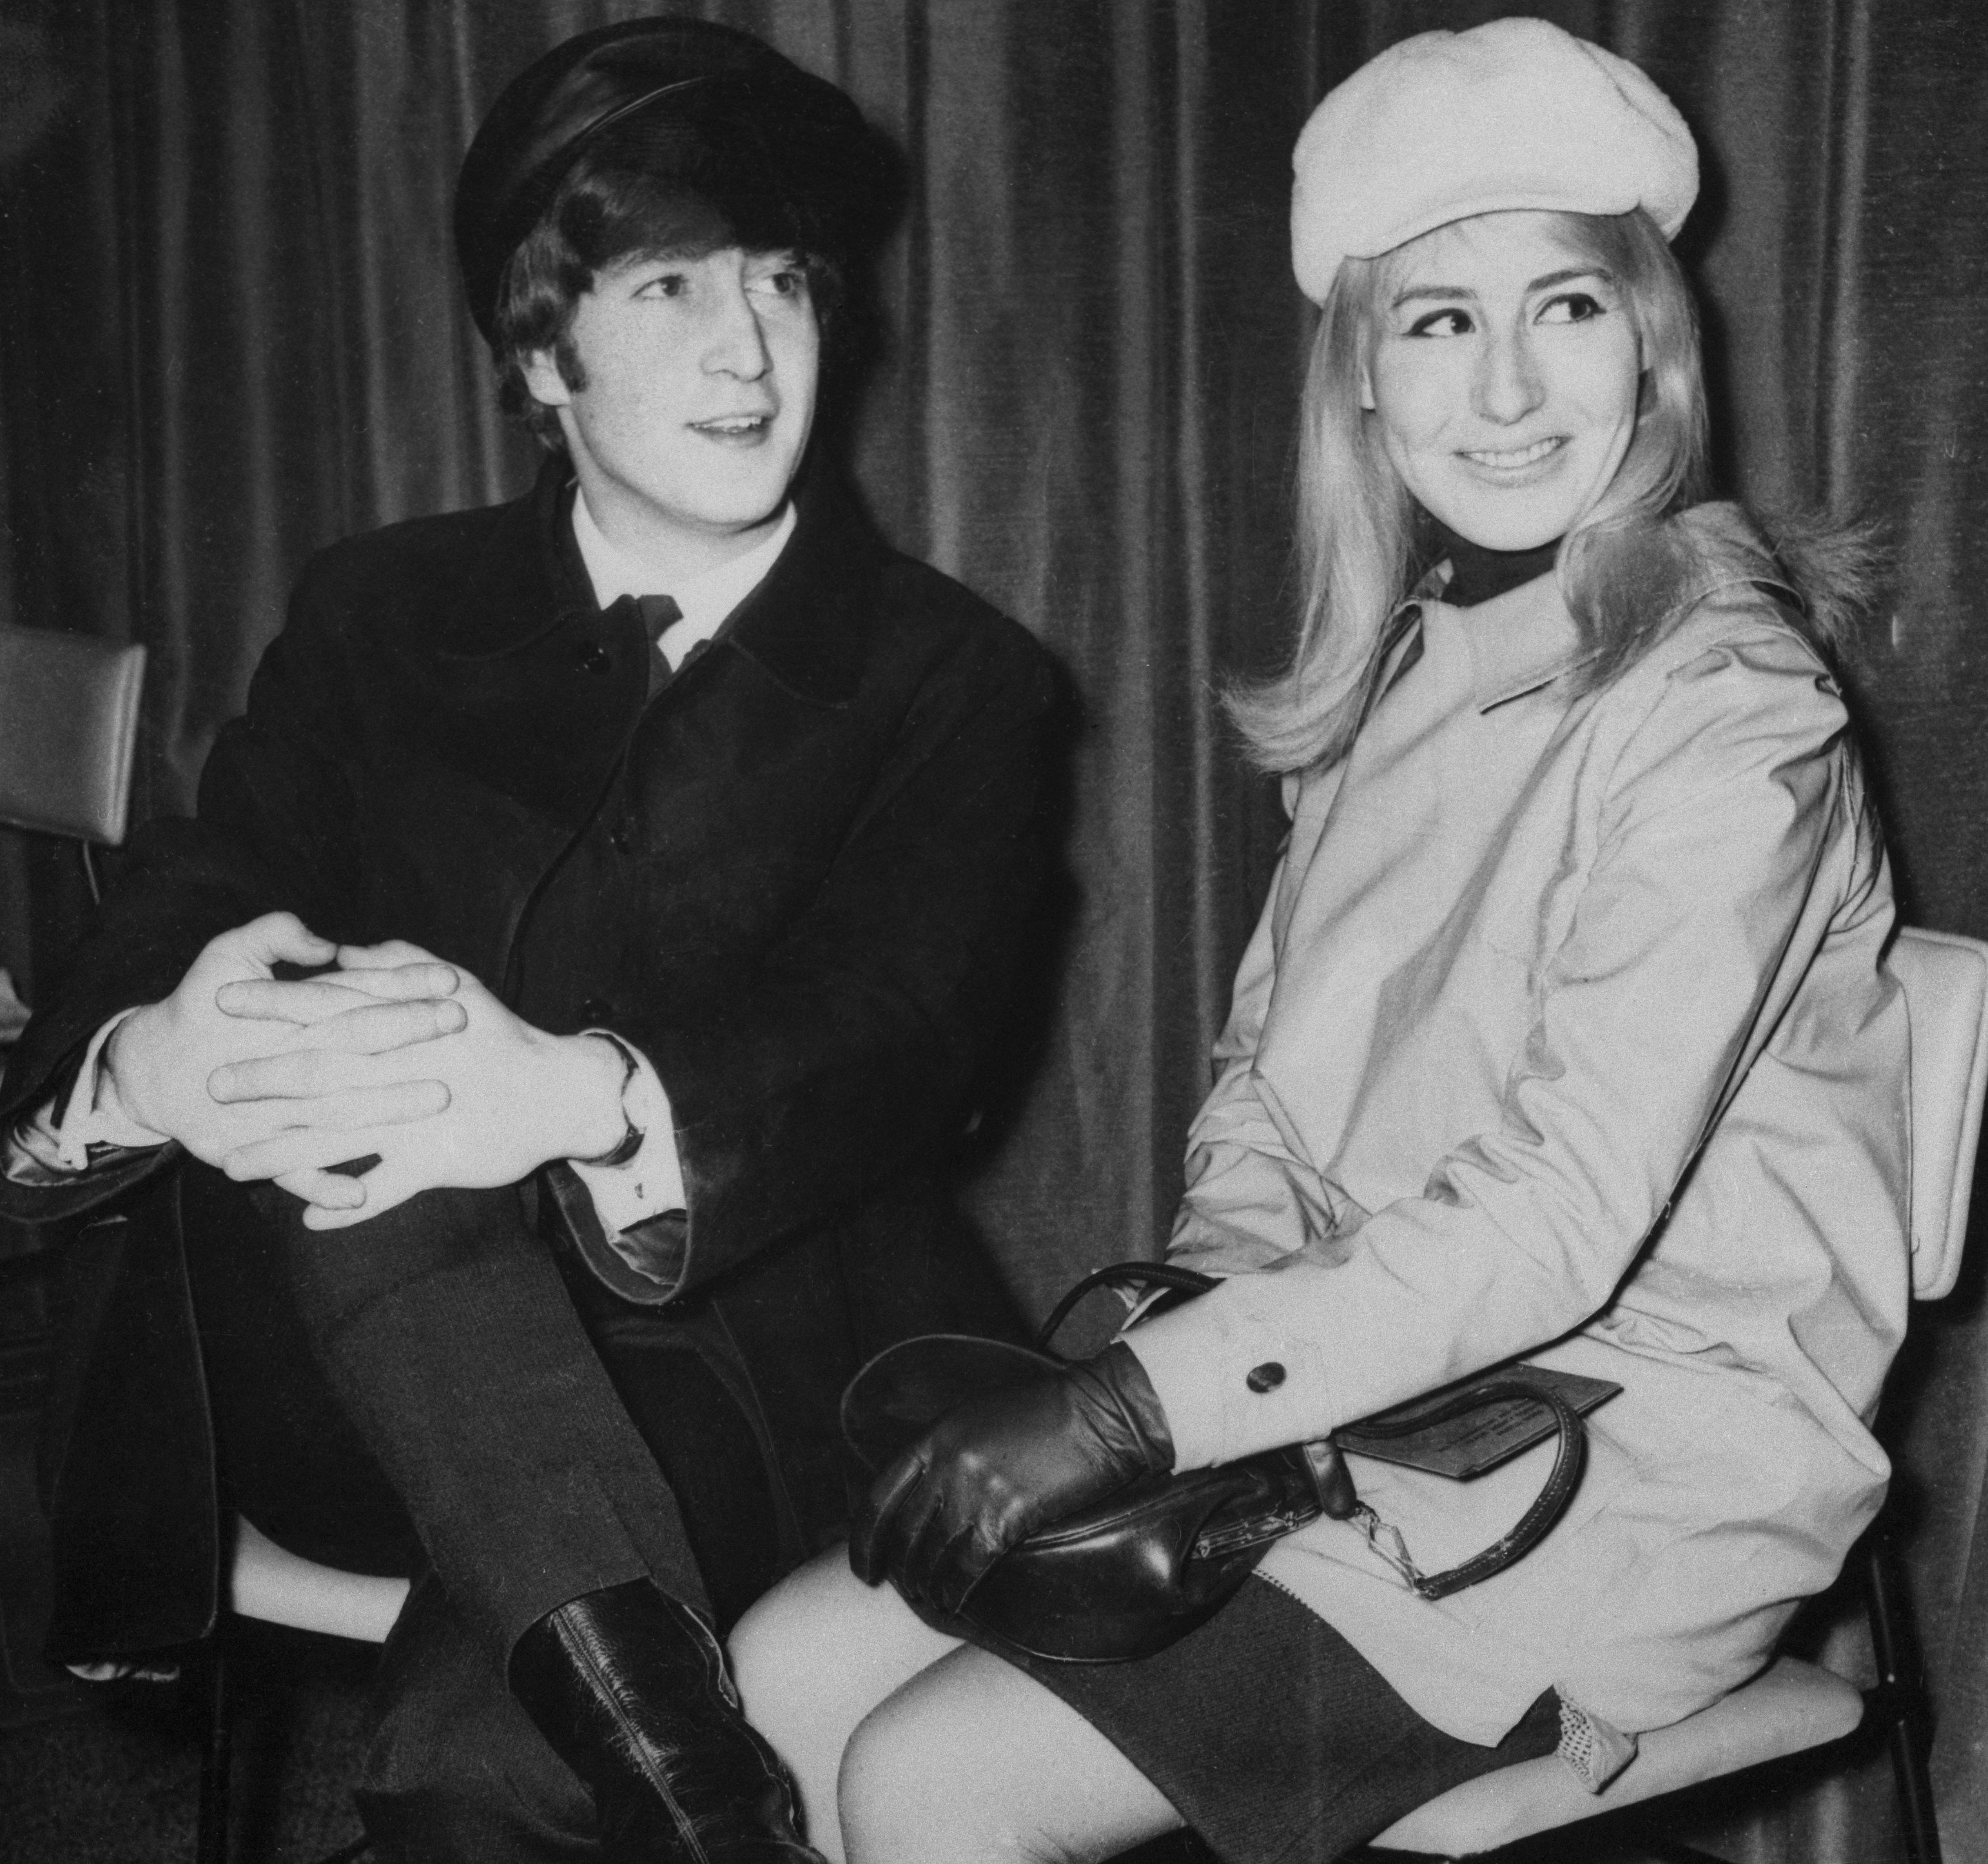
(537, 689)
(804, 626)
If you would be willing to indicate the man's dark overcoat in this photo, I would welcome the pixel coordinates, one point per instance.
(798, 880)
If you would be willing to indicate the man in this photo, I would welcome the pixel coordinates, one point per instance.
(640, 865)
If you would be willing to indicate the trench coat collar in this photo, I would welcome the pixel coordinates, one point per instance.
(1527, 637)
(802, 625)
(1517, 641)
(1521, 641)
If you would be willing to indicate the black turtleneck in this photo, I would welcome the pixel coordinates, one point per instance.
(1479, 574)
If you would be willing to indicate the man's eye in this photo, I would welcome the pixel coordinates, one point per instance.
(1570, 307)
(789, 282)
(667, 285)
(1442, 324)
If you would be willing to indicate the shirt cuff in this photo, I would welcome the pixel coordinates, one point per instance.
(95, 1116)
(651, 1181)
(57, 1142)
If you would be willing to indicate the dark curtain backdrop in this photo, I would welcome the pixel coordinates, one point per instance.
(229, 333)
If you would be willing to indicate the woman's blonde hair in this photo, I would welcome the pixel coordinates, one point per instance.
(1361, 536)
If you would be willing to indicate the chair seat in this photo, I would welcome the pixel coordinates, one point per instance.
(280, 1588)
(1790, 1706)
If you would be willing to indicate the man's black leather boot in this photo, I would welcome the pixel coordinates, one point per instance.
(630, 1686)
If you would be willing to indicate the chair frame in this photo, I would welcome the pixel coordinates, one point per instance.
(210, 1673)
(270, 1585)
(1898, 1706)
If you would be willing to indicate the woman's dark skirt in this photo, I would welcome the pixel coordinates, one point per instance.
(1273, 1737)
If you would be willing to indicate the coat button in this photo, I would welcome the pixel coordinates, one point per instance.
(1265, 1378)
(596, 1012)
(621, 837)
(591, 657)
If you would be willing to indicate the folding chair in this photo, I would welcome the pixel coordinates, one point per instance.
(266, 1582)
(69, 716)
(1793, 1706)
(69, 726)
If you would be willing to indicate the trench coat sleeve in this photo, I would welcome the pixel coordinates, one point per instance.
(1730, 834)
(1253, 1197)
(851, 1054)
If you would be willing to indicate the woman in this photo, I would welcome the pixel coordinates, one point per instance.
(1563, 1034)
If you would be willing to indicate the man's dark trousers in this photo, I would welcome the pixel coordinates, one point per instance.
(423, 1381)
(532, 1486)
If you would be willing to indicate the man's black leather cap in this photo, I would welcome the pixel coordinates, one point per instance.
(840, 177)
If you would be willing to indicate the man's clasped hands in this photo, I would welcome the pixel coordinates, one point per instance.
(392, 1055)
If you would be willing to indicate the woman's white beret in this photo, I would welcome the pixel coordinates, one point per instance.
(1516, 113)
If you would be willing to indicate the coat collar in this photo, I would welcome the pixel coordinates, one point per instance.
(1518, 642)
(529, 579)
(803, 625)
(1521, 641)
(1527, 637)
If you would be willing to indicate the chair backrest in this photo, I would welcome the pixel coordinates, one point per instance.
(68, 724)
(1945, 981)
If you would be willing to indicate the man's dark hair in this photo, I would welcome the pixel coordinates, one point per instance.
(653, 185)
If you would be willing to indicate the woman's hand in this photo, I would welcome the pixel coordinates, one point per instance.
(992, 1470)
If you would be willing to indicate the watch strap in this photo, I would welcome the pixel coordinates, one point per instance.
(630, 1141)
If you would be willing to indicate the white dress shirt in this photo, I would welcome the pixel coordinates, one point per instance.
(706, 601)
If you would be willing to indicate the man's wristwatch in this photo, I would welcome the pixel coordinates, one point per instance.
(630, 1141)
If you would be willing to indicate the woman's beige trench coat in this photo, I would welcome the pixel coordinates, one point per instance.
(1565, 1033)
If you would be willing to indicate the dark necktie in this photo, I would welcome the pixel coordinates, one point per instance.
(659, 614)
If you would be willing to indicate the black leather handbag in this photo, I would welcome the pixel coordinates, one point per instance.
(1129, 1575)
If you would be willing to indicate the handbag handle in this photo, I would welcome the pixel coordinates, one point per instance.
(1531, 1527)
(1124, 1275)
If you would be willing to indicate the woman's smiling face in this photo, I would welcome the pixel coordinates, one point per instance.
(1504, 376)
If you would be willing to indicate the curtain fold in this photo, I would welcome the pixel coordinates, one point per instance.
(230, 334)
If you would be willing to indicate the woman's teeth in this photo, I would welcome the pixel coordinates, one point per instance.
(1518, 456)
(732, 423)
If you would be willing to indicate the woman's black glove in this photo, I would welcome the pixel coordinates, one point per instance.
(992, 1470)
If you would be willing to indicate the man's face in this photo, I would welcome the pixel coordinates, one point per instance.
(700, 377)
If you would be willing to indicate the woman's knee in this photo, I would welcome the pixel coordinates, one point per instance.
(904, 1798)
(815, 1634)
(900, 1800)
(811, 1659)
(975, 1762)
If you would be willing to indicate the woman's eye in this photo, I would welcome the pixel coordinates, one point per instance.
(1442, 324)
(1570, 307)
